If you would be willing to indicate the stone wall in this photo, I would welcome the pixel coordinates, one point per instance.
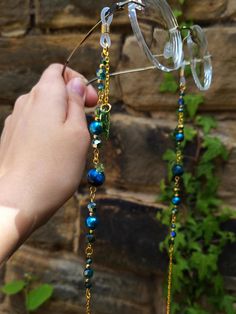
(129, 266)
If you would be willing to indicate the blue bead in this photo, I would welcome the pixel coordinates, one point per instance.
(89, 261)
(101, 73)
(173, 226)
(179, 137)
(181, 101)
(91, 205)
(101, 86)
(177, 170)
(96, 127)
(176, 200)
(96, 143)
(91, 222)
(95, 177)
(88, 285)
(88, 273)
(103, 61)
(173, 234)
(174, 211)
(90, 238)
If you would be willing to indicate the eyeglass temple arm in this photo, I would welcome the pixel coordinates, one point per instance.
(142, 69)
(114, 8)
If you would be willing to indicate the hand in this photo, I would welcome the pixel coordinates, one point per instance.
(44, 146)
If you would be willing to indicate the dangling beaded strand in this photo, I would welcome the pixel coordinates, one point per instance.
(177, 171)
(96, 176)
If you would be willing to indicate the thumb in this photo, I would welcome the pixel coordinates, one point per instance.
(76, 90)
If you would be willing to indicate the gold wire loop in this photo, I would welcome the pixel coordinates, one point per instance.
(105, 108)
(177, 179)
(89, 250)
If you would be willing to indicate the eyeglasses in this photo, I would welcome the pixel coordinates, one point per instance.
(200, 59)
(158, 34)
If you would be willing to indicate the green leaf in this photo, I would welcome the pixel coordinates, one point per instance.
(37, 296)
(180, 241)
(204, 264)
(189, 183)
(218, 284)
(196, 310)
(228, 304)
(188, 71)
(194, 246)
(205, 169)
(163, 186)
(169, 155)
(178, 271)
(13, 287)
(185, 24)
(169, 84)
(192, 103)
(189, 134)
(175, 308)
(100, 167)
(207, 123)
(210, 226)
(166, 192)
(214, 149)
(177, 13)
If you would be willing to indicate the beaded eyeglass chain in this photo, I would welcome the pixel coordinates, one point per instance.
(177, 171)
(98, 128)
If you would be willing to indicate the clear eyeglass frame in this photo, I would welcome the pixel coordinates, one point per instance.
(195, 37)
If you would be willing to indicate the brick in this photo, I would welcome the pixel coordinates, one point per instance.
(206, 11)
(73, 14)
(133, 156)
(231, 11)
(15, 17)
(112, 292)
(24, 59)
(129, 236)
(140, 91)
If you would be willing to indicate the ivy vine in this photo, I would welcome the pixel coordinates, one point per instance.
(198, 286)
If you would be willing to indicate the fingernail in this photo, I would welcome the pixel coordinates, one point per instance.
(78, 86)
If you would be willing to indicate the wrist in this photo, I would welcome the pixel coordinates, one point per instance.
(16, 207)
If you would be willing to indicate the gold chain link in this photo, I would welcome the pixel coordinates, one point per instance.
(92, 193)
(88, 301)
(171, 250)
(95, 156)
(103, 102)
(179, 160)
(107, 80)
